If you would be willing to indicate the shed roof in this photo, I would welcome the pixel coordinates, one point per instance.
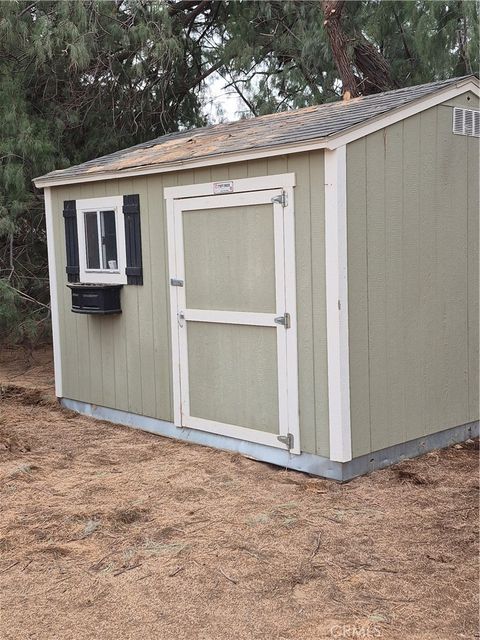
(315, 123)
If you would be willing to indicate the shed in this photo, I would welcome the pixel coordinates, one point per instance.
(301, 288)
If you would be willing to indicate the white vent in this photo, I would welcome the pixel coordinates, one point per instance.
(466, 122)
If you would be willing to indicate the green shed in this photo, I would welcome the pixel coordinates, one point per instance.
(301, 288)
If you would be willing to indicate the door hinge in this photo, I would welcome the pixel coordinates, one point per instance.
(285, 320)
(281, 199)
(287, 440)
(176, 283)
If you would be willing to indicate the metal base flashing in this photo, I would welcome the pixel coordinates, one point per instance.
(305, 462)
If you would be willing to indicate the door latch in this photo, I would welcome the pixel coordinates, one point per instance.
(180, 318)
(287, 440)
(284, 320)
(176, 283)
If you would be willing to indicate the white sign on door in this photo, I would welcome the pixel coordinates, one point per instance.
(223, 187)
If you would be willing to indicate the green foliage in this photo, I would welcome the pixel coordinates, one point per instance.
(81, 78)
(78, 80)
(283, 59)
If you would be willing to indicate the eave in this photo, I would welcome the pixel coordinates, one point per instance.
(331, 142)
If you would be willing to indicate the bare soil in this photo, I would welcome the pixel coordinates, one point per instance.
(111, 533)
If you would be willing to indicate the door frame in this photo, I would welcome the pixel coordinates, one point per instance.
(240, 192)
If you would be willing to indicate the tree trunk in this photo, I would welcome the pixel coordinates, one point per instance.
(373, 67)
(354, 52)
(340, 45)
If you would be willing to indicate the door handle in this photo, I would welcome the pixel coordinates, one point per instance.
(180, 318)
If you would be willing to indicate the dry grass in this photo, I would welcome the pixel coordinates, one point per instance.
(111, 533)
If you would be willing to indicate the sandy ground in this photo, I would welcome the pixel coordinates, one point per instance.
(110, 533)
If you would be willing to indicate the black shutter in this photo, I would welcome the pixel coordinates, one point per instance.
(133, 239)
(71, 240)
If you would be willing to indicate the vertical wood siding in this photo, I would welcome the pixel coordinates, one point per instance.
(412, 208)
(124, 361)
(467, 100)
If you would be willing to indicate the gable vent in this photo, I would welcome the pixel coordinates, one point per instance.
(466, 122)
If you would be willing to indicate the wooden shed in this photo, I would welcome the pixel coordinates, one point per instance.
(301, 287)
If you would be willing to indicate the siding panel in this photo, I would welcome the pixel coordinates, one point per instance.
(73, 349)
(377, 287)
(130, 306)
(420, 327)
(306, 380)
(145, 302)
(319, 317)
(451, 266)
(411, 280)
(358, 296)
(158, 268)
(467, 100)
(394, 429)
(118, 331)
(473, 283)
(428, 335)
(125, 361)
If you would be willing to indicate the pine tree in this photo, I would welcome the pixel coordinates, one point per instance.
(78, 80)
(285, 55)
(81, 78)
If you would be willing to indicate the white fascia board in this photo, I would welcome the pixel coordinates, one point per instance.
(331, 142)
(337, 305)
(52, 274)
(196, 163)
(401, 113)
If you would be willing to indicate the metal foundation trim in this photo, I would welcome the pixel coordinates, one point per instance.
(407, 450)
(304, 462)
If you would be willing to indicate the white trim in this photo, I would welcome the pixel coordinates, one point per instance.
(331, 142)
(172, 266)
(401, 113)
(285, 292)
(291, 307)
(52, 274)
(181, 324)
(233, 431)
(104, 276)
(230, 317)
(242, 184)
(337, 305)
(245, 198)
(282, 376)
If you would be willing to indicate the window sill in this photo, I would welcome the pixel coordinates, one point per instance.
(106, 271)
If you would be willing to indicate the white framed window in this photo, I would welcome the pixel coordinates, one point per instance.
(101, 240)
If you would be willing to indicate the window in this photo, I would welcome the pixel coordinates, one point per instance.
(101, 240)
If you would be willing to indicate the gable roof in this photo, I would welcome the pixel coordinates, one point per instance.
(279, 132)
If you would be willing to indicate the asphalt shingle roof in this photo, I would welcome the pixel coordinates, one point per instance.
(279, 129)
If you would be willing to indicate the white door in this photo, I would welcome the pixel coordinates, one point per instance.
(232, 285)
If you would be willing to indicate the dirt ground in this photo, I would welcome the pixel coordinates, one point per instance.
(106, 532)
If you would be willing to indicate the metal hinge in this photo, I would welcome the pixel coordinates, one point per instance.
(281, 199)
(287, 440)
(285, 320)
(176, 283)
